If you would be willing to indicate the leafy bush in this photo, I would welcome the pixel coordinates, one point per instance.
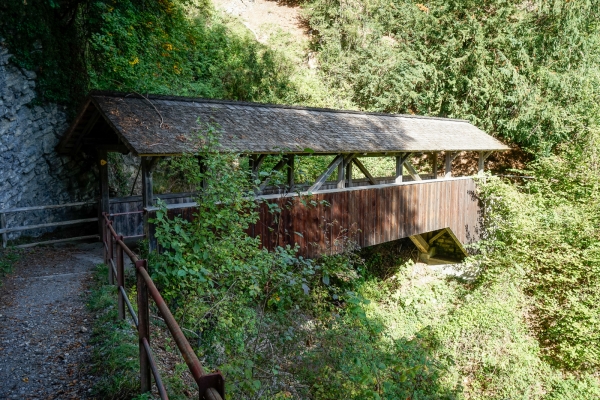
(171, 48)
(546, 234)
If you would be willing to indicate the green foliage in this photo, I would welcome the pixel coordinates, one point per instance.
(546, 235)
(8, 257)
(45, 37)
(216, 278)
(115, 351)
(175, 47)
(525, 72)
(171, 48)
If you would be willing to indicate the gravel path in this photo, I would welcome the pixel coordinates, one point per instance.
(44, 325)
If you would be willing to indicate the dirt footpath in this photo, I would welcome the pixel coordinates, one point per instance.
(44, 325)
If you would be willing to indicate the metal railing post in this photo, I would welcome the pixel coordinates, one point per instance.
(109, 239)
(143, 328)
(120, 278)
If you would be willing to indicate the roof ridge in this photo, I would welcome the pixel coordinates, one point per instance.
(263, 105)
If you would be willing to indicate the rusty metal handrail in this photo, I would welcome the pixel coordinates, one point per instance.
(210, 386)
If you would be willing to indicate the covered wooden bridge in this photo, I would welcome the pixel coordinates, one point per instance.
(437, 211)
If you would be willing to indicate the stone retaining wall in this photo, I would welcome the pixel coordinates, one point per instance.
(31, 171)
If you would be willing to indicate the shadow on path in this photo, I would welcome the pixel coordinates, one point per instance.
(44, 325)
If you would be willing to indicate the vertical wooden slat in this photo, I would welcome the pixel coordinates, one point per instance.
(374, 201)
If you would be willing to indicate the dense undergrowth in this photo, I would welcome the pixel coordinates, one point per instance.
(374, 325)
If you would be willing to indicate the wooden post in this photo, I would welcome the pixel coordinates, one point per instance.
(120, 280)
(434, 165)
(290, 171)
(202, 166)
(483, 155)
(450, 156)
(103, 236)
(3, 226)
(256, 161)
(399, 172)
(341, 181)
(148, 164)
(104, 205)
(110, 256)
(147, 188)
(143, 328)
(349, 174)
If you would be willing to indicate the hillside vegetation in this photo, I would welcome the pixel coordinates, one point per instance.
(369, 324)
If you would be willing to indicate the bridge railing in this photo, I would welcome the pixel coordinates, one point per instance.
(210, 386)
(5, 229)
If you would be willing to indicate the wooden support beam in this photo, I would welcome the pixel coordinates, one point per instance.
(437, 236)
(400, 160)
(255, 164)
(434, 164)
(341, 182)
(450, 156)
(148, 165)
(483, 155)
(364, 170)
(291, 170)
(412, 171)
(458, 243)
(399, 168)
(203, 169)
(421, 243)
(343, 171)
(349, 174)
(330, 168)
(277, 167)
(104, 206)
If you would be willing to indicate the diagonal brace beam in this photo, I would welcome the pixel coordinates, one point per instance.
(364, 170)
(412, 171)
(340, 158)
(282, 163)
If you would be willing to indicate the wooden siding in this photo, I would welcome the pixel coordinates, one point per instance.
(133, 224)
(365, 215)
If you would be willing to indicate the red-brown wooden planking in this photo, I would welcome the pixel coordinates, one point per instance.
(375, 215)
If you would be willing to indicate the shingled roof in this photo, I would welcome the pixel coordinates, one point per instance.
(160, 125)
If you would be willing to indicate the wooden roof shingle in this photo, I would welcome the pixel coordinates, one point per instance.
(161, 125)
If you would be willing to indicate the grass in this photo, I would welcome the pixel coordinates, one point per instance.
(116, 353)
(477, 336)
(8, 258)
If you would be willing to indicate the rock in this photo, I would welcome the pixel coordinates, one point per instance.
(28, 159)
(83, 329)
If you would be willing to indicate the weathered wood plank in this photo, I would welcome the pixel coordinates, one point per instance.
(420, 243)
(380, 213)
